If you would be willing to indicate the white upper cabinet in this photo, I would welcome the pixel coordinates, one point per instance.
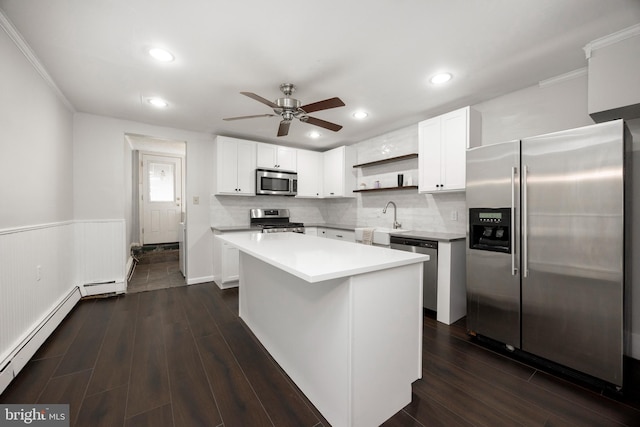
(271, 156)
(614, 81)
(339, 177)
(443, 142)
(309, 174)
(235, 163)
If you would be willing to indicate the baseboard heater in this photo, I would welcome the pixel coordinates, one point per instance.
(99, 288)
(20, 356)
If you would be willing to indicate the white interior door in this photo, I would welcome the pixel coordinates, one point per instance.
(161, 198)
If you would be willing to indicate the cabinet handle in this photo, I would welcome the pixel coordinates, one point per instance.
(339, 235)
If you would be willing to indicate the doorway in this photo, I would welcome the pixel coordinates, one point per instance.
(157, 214)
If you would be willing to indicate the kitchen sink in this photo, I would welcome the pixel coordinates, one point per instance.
(380, 234)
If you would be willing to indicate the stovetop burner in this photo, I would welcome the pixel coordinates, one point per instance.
(281, 225)
(274, 220)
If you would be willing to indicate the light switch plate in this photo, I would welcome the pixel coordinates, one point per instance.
(196, 200)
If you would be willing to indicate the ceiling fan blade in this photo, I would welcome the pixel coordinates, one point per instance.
(323, 105)
(323, 124)
(249, 117)
(283, 130)
(260, 99)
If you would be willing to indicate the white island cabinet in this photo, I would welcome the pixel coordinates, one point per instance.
(343, 320)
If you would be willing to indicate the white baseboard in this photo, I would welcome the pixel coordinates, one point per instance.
(27, 348)
(228, 285)
(196, 280)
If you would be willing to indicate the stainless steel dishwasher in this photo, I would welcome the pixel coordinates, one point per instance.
(430, 274)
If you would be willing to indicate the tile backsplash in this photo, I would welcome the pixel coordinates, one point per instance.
(426, 212)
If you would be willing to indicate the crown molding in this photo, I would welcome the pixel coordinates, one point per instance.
(26, 50)
(563, 77)
(611, 39)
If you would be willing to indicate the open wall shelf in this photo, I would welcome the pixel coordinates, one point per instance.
(389, 160)
(406, 187)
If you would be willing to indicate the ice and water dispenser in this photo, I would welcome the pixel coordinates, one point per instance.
(490, 229)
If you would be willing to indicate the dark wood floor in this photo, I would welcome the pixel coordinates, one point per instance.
(181, 357)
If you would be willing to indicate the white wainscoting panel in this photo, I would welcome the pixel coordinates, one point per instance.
(36, 274)
(100, 256)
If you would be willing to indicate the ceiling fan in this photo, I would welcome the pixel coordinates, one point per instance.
(289, 108)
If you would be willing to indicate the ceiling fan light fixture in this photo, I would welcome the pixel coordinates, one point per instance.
(360, 115)
(158, 102)
(440, 78)
(161, 55)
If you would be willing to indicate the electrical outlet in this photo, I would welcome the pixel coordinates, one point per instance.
(38, 272)
(454, 215)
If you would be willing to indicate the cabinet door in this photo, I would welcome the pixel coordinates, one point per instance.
(227, 164)
(309, 173)
(246, 167)
(230, 263)
(345, 235)
(266, 156)
(311, 231)
(333, 172)
(429, 154)
(286, 159)
(454, 144)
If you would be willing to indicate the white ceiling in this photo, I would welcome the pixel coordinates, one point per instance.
(374, 55)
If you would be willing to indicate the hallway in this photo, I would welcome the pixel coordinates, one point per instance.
(156, 268)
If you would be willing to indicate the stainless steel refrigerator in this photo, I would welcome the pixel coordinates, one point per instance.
(546, 246)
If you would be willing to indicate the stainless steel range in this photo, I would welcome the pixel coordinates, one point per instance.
(274, 221)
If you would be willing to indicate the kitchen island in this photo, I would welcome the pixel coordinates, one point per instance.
(343, 320)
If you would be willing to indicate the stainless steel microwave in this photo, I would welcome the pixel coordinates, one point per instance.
(276, 183)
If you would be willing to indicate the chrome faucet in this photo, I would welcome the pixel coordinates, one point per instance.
(396, 224)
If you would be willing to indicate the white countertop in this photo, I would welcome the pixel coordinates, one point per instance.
(315, 259)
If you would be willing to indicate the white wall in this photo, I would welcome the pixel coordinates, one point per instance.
(36, 145)
(100, 177)
(128, 193)
(535, 111)
(36, 204)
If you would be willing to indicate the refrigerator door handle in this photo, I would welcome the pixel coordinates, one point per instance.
(525, 228)
(514, 270)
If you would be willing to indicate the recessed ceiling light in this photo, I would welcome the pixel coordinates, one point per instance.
(314, 134)
(161, 54)
(158, 102)
(360, 115)
(440, 78)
